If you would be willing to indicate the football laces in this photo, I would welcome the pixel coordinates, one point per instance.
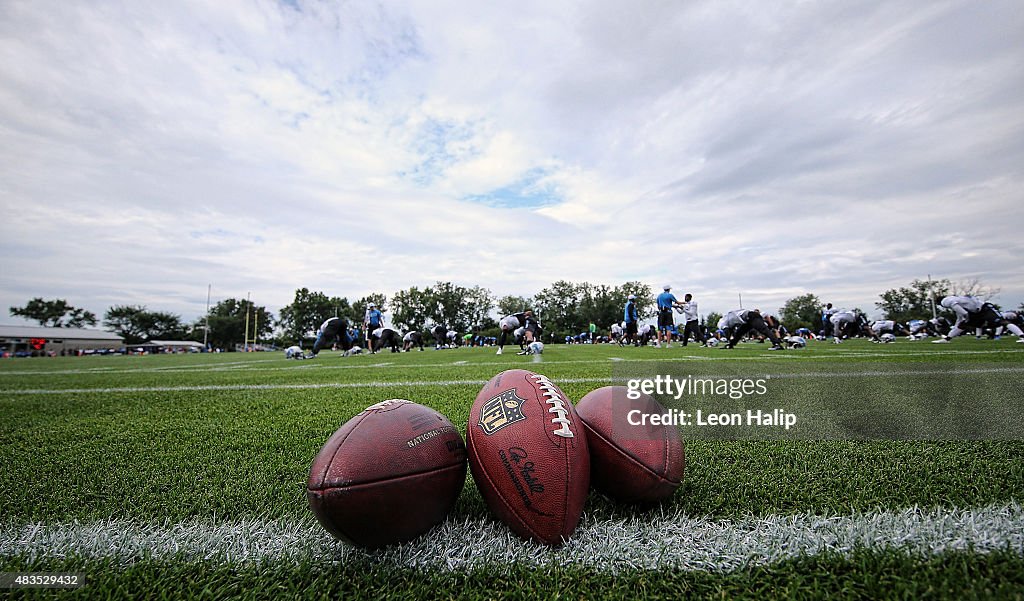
(553, 398)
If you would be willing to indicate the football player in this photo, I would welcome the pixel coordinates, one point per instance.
(647, 333)
(972, 313)
(666, 302)
(689, 311)
(847, 323)
(382, 338)
(510, 323)
(615, 333)
(826, 320)
(332, 331)
(412, 339)
(887, 326)
(630, 321)
(742, 321)
(440, 333)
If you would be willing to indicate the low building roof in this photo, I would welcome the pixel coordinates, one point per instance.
(60, 333)
(175, 343)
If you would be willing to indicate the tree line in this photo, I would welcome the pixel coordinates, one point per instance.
(565, 308)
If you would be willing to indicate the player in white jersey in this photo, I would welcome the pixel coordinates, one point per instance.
(647, 333)
(742, 321)
(510, 323)
(826, 320)
(382, 338)
(887, 326)
(615, 332)
(689, 311)
(845, 324)
(412, 339)
(331, 332)
(917, 326)
(972, 313)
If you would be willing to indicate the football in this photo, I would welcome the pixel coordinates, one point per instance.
(388, 475)
(528, 455)
(630, 462)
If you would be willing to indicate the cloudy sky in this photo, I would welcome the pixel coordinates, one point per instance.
(148, 149)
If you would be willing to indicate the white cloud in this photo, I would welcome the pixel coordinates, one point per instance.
(148, 150)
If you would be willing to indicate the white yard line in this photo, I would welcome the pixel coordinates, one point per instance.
(657, 540)
(480, 382)
(352, 362)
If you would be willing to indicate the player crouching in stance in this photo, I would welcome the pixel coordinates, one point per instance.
(885, 330)
(511, 323)
(971, 313)
(742, 321)
(410, 340)
(848, 323)
(331, 332)
(382, 338)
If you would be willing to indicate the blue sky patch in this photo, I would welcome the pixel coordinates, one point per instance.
(529, 191)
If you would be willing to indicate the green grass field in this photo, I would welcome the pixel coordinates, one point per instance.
(172, 476)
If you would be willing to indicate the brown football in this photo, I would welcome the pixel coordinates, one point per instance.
(629, 462)
(388, 475)
(528, 455)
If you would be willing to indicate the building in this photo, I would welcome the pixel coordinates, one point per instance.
(40, 341)
(172, 346)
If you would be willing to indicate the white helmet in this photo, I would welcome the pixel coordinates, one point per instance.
(537, 347)
(888, 337)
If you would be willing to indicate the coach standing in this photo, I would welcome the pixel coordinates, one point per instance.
(666, 302)
(372, 320)
(630, 319)
(691, 319)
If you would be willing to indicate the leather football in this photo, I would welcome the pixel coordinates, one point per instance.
(632, 463)
(388, 475)
(528, 455)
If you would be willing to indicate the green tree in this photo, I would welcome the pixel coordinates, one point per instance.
(802, 311)
(457, 307)
(55, 313)
(712, 319)
(510, 304)
(359, 308)
(303, 316)
(645, 302)
(409, 309)
(161, 325)
(913, 301)
(135, 324)
(123, 320)
(478, 303)
(557, 306)
(228, 320)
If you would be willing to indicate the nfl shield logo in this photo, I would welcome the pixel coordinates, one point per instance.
(503, 410)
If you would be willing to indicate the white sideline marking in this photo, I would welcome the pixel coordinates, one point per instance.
(320, 363)
(657, 540)
(417, 383)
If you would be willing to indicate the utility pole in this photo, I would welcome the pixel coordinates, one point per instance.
(245, 337)
(931, 295)
(206, 328)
